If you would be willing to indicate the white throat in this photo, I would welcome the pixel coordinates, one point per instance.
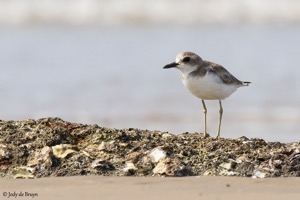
(186, 69)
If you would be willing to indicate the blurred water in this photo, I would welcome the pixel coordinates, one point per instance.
(114, 77)
(116, 12)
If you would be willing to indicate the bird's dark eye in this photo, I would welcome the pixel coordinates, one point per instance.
(186, 59)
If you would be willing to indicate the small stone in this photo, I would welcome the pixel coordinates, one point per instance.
(166, 135)
(160, 168)
(63, 150)
(258, 174)
(129, 167)
(42, 157)
(106, 146)
(242, 159)
(102, 165)
(227, 166)
(23, 172)
(157, 154)
(96, 163)
(101, 146)
(133, 157)
(4, 152)
(207, 173)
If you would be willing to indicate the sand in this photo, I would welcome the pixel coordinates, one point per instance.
(107, 188)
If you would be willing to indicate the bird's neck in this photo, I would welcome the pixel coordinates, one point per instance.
(186, 70)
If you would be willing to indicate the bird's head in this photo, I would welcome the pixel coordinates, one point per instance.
(186, 62)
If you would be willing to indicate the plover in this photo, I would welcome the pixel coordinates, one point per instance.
(206, 80)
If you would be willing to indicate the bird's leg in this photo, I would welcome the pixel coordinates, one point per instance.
(204, 111)
(220, 119)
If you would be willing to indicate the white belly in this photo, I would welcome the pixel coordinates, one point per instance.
(209, 87)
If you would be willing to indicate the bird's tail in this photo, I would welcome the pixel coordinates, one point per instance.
(246, 83)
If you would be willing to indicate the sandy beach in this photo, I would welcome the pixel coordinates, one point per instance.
(99, 187)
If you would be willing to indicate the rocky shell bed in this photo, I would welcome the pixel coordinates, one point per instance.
(53, 147)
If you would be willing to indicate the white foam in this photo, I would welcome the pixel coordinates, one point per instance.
(116, 12)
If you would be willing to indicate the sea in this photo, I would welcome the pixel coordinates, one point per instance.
(114, 77)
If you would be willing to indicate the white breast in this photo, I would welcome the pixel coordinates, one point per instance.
(208, 87)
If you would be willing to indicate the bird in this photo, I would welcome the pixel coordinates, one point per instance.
(206, 80)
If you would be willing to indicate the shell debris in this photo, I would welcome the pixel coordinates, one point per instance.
(54, 147)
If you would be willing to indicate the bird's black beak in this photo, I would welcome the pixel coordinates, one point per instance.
(173, 64)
